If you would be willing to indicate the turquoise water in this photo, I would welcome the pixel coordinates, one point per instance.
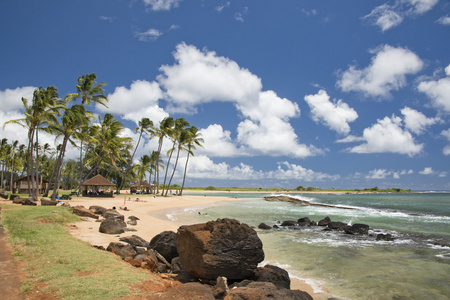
(416, 265)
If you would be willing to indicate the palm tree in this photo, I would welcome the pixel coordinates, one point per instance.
(194, 138)
(180, 125)
(72, 121)
(145, 126)
(143, 167)
(89, 91)
(3, 156)
(165, 128)
(183, 137)
(153, 158)
(43, 111)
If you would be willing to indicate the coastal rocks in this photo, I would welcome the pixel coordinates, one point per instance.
(324, 222)
(337, 226)
(192, 290)
(98, 210)
(112, 226)
(112, 213)
(224, 247)
(264, 226)
(166, 244)
(132, 220)
(301, 202)
(122, 250)
(24, 201)
(277, 276)
(47, 202)
(384, 237)
(81, 211)
(265, 290)
(357, 229)
(134, 240)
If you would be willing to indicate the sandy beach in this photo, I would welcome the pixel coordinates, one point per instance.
(153, 220)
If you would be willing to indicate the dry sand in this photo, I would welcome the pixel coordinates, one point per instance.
(153, 220)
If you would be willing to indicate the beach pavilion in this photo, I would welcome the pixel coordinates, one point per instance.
(97, 186)
(141, 184)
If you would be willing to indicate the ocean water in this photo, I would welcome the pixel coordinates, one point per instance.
(415, 265)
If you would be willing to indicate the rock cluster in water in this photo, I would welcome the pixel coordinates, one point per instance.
(214, 260)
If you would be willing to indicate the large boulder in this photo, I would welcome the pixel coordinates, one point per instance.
(224, 247)
(276, 275)
(265, 290)
(112, 226)
(81, 211)
(324, 222)
(98, 210)
(337, 226)
(112, 213)
(192, 290)
(47, 202)
(24, 201)
(166, 244)
(122, 250)
(134, 240)
(357, 229)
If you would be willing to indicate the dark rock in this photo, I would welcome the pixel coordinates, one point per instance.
(83, 212)
(176, 266)
(112, 213)
(132, 220)
(337, 226)
(112, 226)
(47, 202)
(185, 277)
(150, 264)
(192, 290)
(277, 276)
(264, 226)
(134, 240)
(98, 210)
(12, 197)
(289, 223)
(304, 221)
(357, 229)
(276, 226)
(120, 249)
(224, 247)
(221, 289)
(324, 222)
(265, 290)
(24, 201)
(4, 195)
(166, 244)
(384, 237)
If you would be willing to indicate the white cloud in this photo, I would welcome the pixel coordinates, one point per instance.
(107, 19)
(388, 136)
(384, 17)
(438, 90)
(219, 8)
(350, 139)
(427, 171)
(149, 35)
(387, 72)
(446, 134)
(11, 100)
(157, 5)
(218, 142)
(201, 76)
(384, 173)
(287, 171)
(335, 115)
(445, 20)
(415, 121)
(388, 16)
(140, 100)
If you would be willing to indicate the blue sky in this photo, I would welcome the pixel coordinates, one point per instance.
(347, 94)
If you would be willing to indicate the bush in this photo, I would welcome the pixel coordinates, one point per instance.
(211, 188)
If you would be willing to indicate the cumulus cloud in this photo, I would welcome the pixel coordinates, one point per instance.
(136, 102)
(149, 35)
(427, 171)
(388, 16)
(386, 72)
(202, 76)
(417, 122)
(438, 90)
(11, 99)
(287, 171)
(158, 5)
(335, 115)
(445, 20)
(446, 134)
(218, 142)
(384, 173)
(387, 135)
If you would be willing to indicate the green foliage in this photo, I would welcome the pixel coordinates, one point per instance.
(211, 188)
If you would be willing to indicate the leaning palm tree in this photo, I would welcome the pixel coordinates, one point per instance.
(193, 139)
(89, 91)
(3, 158)
(72, 121)
(165, 128)
(145, 126)
(183, 138)
(153, 163)
(174, 135)
(143, 167)
(43, 111)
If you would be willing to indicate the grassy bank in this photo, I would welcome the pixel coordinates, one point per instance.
(62, 265)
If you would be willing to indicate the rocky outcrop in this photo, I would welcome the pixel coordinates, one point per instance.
(132, 220)
(98, 210)
(357, 229)
(384, 237)
(224, 247)
(24, 201)
(324, 222)
(166, 244)
(192, 290)
(112, 226)
(276, 275)
(134, 240)
(122, 250)
(265, 290)
(264, 226)
(81, 211)
(337, 226)
(48, 202)
(301, 202)
(112, 213)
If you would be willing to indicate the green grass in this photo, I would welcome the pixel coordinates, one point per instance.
(71, 269)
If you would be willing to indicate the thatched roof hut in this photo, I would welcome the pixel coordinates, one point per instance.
(92, 187)
(140, 185)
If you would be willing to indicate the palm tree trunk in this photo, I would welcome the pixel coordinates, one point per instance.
(167, 169)
(174, 167)
(130, 162)
(185, 171)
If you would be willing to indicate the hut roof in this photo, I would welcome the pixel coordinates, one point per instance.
(25, 178)
(98, 180)
(141, 183)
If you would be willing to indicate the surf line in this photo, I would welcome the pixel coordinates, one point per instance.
(302, 202)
